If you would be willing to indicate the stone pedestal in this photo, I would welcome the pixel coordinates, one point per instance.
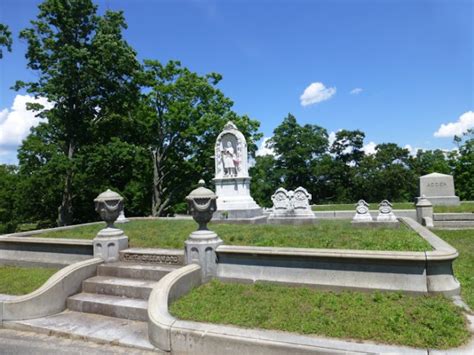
(424, 212)
(234, 200)
(108, 243)
(200, 248)
(439, 189)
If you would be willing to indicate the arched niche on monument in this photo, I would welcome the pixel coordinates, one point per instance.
(231, 158)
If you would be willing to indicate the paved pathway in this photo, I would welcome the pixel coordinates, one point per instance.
(14, 342)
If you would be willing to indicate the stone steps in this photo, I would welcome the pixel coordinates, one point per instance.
(108, 305)
(120, 290)
(92, 327)
(135, 271)
(122, 287)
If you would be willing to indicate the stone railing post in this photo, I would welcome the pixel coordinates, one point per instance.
(424, 212)
(110, 240)
(200, 247)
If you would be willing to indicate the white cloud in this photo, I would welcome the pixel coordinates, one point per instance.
(356, 91)
(316, 92)
(15, 123)
(369, 148)
(263, 149)
(464, 122)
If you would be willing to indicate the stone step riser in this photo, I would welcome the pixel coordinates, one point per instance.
(153, 275)
(142, 292)
(109, 310)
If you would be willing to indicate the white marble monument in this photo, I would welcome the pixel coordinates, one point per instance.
(439, 189)
(291, 206)
(232, 179)
(385, 212)
(362, 212)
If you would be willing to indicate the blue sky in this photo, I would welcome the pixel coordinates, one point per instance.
(411, 60)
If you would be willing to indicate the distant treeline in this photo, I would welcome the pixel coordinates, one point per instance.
(147, 130)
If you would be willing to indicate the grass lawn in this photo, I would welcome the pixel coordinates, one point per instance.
(22, 280)
(463, 241)
(463, 207)
(393, 318)
(325, 234)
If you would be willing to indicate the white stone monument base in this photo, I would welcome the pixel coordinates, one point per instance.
(444, 200)
(234, 200)
(292, 217)
(362, 218)
(387, 217)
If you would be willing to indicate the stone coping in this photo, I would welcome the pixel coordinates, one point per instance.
(39, 231)
(51, 297)
(34, 240)
(464, 216)
(179, 336)
(326, 253)
(441, 249)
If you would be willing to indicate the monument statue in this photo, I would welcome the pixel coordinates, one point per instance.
(232, 178)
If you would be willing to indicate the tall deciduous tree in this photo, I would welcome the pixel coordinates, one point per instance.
(298, 149)
(5, 39)
(86, 69)
(183, 114)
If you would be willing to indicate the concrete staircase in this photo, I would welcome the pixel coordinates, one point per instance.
(119, 290)
(112, 307)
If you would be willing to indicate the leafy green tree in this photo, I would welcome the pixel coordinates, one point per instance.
(387, 175)
(8, 188)
(86, 70)
(265, 179)
(182, 114)
(347, 152)
(430, 161)
(298, 149)
(5, 39)
(463, 166)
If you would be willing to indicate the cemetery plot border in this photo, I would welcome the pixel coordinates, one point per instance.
(417, 272)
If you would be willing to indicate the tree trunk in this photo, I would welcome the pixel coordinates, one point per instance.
(159, 202)
(65, 210)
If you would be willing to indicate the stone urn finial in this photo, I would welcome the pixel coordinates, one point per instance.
(109, 204)
(201, 245)
(202, 205)
(110, 240)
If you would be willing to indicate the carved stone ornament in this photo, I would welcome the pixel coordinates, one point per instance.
(281, 200)
(230, 153)
(201, 245)
(362, 212)
(109, 204)
(385, 212)
(202, 205)
(291, 203)
(301, 199)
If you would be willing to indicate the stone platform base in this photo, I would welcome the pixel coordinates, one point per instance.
(376, 224)
(292, 220)
(444, 200)
(236, 214)
(254, 220)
